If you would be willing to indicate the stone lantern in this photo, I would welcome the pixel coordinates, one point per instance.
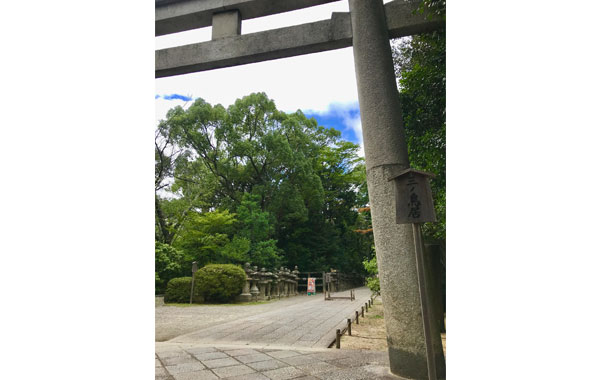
(275, 284)
(254, 289)
(246, 296)
(262, 283)
(269, 277)
(296, 272)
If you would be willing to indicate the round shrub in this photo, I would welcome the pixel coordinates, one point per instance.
(220, 282)
(178, 291)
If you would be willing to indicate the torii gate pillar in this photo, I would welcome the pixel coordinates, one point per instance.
(386, 154)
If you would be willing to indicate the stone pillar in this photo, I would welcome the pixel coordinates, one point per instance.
(386, 154)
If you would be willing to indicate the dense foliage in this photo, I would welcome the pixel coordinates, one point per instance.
(219, 282)
(420, 63)
(373, 278)
(167, 264)
(250, 183)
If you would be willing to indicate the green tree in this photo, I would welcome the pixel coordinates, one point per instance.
(256, 227)
(293, 185)
(167, 265)
(420, 63)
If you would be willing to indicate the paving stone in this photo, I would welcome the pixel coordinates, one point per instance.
(253, 358)
(283, 373)
(216, 363)
(236, 370)
(196, 375)
(267, 365)
(200, 350)
(354, 361)
(331, 355)
(160, 371)
(162, 377)
(171, 354)
(297, 360)
(347, 374)
(251, 376)
(242, 351)
(283, 354)
(178, 360)
(157, 363)
(184, 367)
(317, 367)
(210, 355)
(306, 378)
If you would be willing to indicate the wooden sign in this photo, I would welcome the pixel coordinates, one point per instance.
(414, 201)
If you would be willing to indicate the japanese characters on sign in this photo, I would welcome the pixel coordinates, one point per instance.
(414, 201)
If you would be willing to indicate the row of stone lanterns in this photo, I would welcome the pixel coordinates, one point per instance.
(263, 285)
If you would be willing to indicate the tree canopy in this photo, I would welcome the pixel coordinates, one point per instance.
(420, 63)
(252, 183)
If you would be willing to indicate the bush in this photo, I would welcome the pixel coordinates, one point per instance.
(220, 282)
(373, 284)
(167, 265)
(371, 268)
(178, 291)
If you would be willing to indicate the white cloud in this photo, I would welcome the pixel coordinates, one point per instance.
(310, 81)
(318, 82)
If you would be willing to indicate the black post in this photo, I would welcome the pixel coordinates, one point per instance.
(349, 321)
(337, 338)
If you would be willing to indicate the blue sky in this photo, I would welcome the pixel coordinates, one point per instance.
(343, 117)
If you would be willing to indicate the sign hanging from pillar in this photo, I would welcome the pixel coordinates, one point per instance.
(414, 201)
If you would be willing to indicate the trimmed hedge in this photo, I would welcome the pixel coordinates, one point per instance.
(178, 291)
(219, 282)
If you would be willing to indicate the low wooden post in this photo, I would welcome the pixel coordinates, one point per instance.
(338, 336)
(362, 311)
(356, 312)
(366, 306)
(349, 321)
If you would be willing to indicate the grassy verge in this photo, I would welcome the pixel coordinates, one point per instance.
(370, 333)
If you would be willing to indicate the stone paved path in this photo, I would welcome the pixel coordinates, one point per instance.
(308, 322)
(282, 340)
(180, 361)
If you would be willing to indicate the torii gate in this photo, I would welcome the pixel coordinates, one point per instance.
(367, 27)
